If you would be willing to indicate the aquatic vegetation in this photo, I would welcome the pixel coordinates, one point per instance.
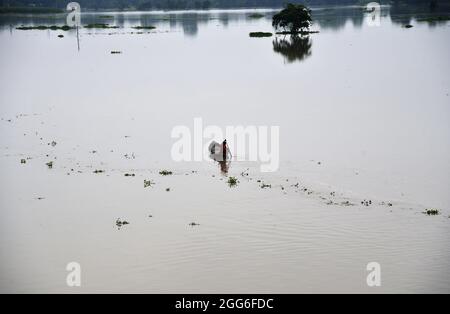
(120, 223)
(264, 186)
(60, 36)
(407, 26)
(23, 161)
(148, 183)
(144, 27)
(129, 174)
(99, 171)
(193, 224)
(53, 143)
(431, 212)
(114, 52)
(434, 19)
(44, 27)
(167, 189)
(101, 26)
(232, 181)
(50, 164)
(256, 15)
(260, 34)
(366, 202)
(165, 173)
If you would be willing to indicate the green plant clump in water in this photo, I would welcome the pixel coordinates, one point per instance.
(165, 172)
(23, 161)
(50, 164)
(260, 34)
(263, 186)
(232, 181)
(147, 183)
(144, 27)
(256, 15)
(115, 52)
(431, 212)
(99, 171)
(44, 27)
(100, 25)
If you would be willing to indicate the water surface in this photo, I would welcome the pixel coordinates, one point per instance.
(363, 112)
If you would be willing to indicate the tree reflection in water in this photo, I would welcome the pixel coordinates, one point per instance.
(293, 48)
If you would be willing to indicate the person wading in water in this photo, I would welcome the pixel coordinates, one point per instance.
(224, 150)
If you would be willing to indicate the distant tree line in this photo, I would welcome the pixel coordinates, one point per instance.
(194, 4)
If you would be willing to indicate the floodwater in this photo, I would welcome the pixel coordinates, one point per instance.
(363, 113)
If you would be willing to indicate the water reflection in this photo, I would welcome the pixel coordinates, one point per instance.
(293, 48)
(190, 22)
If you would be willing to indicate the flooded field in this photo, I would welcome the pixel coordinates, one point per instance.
(85, 136)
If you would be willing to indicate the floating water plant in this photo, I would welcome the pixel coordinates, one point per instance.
(165, 172)
(193, 224)
(256, 15)
(50, 164)
(148, 183)
(99, 171)
(23, 161)
(115, 52)
(129, 174)
(144, 27)
(260, 34)
(120, 223)
(232, 181)
(264, 186)
(100, 25)
(431, 212)
(44, 27)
